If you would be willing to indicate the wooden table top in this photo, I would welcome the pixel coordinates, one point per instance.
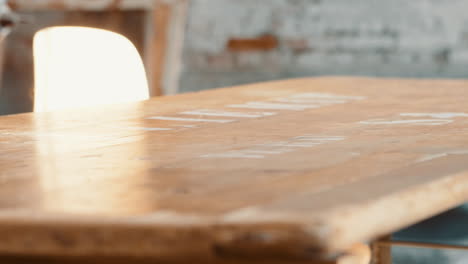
(293, 169)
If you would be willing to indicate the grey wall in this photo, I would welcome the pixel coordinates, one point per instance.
(417, 38)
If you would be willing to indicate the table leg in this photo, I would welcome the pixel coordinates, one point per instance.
(382, 253)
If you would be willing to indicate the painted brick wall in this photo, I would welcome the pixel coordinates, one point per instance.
(418, 38)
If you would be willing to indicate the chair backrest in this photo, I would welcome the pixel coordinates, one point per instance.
(80, 67)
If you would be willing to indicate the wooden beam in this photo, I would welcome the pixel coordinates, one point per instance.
(382, 251)
(164, 45)
(156, 44)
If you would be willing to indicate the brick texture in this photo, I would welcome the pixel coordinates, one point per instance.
(418, 38)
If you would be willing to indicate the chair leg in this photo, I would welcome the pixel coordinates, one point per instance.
(382, 254)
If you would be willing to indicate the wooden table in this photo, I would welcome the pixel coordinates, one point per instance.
(279, 172)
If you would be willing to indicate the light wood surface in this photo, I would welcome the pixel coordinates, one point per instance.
(289, 170)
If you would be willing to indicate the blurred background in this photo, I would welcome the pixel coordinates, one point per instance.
(398, 38)
(189, 45)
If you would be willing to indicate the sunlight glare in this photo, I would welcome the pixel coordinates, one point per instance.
(81, 67)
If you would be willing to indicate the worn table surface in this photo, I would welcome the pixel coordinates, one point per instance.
(295, 169)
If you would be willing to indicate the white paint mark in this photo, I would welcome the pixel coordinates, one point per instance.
(435, 115)
(426, 122)
(276, 148)
(211, 112)
(431, 157)
(443, 154)
(319, 138)
(272, 152)
(327, 96)
(151, 128)
(299, 102)
(169, 118)
(270, 105)
(315, 101)
(293, 144)
(234, 154)
(187, 126)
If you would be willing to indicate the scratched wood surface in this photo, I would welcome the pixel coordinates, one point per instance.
(296, 169)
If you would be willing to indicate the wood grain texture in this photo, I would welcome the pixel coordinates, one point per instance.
(289, 170)
(136, 260)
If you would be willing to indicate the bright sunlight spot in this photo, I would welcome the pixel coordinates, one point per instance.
(80, 67)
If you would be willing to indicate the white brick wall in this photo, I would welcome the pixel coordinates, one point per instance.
(417, 38)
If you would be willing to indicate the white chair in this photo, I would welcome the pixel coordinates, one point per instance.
(83, 67)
